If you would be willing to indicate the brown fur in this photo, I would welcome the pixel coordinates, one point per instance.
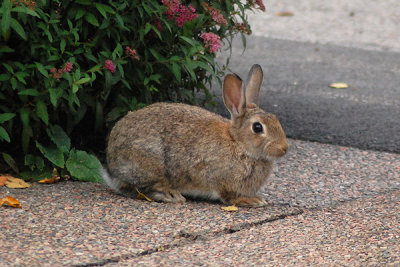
(167, 150)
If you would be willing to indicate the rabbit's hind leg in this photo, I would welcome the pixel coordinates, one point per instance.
(257, 201)
(163, 193)
(233, 198)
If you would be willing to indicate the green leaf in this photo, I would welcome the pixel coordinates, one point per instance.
(41, 111)
(62, 45)
(31, 92)
(83, 80)
(21, 76)
(147, 28)
(13, 83)
(95, 68)
(83, 166)
(24, 9)
(6, 117)
(203, 65)
(41, 69)
(53, 154)
(8, 67)
(117, 51)
(39, 173)
(80, 13)
(5, 18)
(24, 114)
(59, 138)
(10, 161)
(92, 19)
(4, 135)
(34, 162)
(101, 9)
(55, 94)
(156, 54)
(4, 77)
(18, 28)
(84, 2)
(190, 69)
(75, 88)
(177, 71)
(189, 40)
(120, 21)
(6, 49)
(27, 133)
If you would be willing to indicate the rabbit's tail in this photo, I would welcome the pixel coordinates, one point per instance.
(114, 184)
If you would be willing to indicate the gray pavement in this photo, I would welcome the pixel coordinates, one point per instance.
(296, 88)
(329, 204)
(324, 42)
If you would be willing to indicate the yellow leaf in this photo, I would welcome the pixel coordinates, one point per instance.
(284, 14)
(10, 201)
(230, 208)
(339, 85)
(16, 183)
(53, 179)
(142, 196)
(3, 180)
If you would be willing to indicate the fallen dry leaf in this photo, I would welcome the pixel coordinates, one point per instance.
(230, 208)
(53, 179)
(3, 180)
(10, 201)
(16, 183)
(339, 85)
(142, 196)
(284, 14)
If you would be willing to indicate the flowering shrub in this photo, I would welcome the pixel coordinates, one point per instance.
(70, 68)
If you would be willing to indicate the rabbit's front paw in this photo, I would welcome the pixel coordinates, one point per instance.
(250, 202)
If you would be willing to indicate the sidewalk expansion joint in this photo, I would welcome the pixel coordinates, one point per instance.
(183, 238)
(206, 235)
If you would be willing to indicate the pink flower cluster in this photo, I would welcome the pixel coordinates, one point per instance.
(177, 11)
(109, 65)
(131, 52)
(56, 73)
(215, 14)
(211, 41)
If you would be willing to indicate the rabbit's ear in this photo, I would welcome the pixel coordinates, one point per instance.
(254, 80)
(234, 95)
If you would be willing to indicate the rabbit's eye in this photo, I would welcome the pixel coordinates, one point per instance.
(257, 127)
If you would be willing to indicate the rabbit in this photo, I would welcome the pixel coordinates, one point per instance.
(172, 150)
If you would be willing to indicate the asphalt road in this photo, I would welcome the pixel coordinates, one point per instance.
(355, 42)
(296, 88)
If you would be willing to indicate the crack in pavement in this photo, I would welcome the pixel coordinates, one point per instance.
(190, 238)
(183, 238)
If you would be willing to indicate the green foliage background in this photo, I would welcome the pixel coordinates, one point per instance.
(47, 121)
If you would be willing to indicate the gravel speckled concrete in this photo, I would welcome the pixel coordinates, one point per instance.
(339, 190)
(321, 175)
(359, 233)
(84, 223)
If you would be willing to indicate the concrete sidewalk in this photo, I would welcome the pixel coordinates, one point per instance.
(327, 205)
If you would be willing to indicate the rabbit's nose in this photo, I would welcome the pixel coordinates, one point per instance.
(284, 147)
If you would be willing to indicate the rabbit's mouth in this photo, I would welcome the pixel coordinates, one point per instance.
(276, 150)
